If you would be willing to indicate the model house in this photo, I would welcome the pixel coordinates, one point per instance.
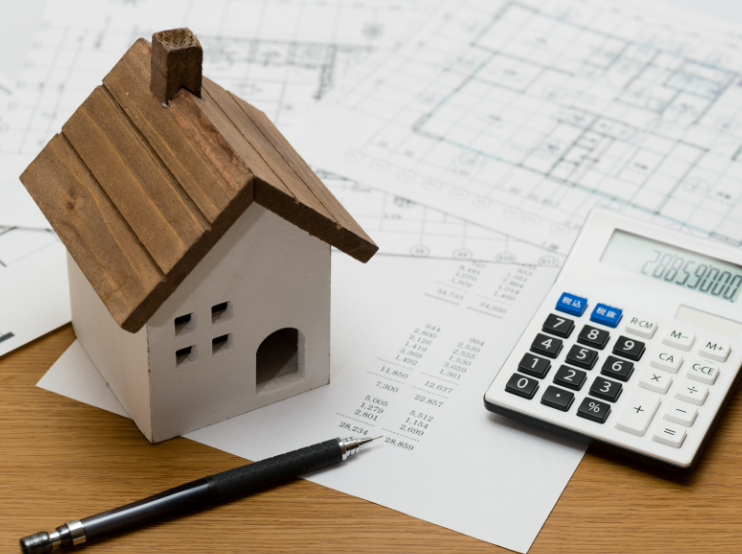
(198, 240)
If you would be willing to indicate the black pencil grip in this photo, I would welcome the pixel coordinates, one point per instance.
(242, 480)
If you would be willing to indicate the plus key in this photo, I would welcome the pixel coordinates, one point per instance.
(638, 413)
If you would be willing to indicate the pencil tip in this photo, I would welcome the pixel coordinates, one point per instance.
(366, 440)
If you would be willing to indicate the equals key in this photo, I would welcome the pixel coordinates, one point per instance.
(669, 434)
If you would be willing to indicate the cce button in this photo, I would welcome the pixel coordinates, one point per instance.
(606, 315)
(571, 304)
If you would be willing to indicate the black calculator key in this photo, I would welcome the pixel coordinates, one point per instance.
(605, 389)
(554, 397)
(592, 336)
(533, 365)
(559, 326)
(617, 368)
(546, 345)
(594, 410)
(522, 385)
(582, 357)
(629, 348)
(570, 377)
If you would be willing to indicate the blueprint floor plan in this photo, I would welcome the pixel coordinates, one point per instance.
(282, 69)
(33, 285)
(402, 227)
(521, 116)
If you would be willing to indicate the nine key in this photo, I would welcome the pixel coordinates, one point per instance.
(628, 348)
(582, 357)
(559, 326)
(546, 345)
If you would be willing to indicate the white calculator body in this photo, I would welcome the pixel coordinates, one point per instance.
(636, 346)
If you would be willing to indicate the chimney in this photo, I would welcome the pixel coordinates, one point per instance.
(176, 62)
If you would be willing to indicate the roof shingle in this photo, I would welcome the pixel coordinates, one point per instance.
(140, 191)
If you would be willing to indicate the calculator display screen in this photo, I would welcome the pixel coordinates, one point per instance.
(674, 265)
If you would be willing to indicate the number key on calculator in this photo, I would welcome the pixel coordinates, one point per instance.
(643, 327)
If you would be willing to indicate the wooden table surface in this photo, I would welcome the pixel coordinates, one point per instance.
(61, 460)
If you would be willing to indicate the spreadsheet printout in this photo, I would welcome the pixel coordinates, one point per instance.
(414, 344)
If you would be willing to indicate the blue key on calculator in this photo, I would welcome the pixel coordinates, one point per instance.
(571, 304)
(606, 315)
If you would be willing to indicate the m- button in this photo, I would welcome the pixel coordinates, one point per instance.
(641, 327)
(679, 338)
(714, 349)
(704, 371)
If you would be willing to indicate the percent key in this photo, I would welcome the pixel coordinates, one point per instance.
(594, 410)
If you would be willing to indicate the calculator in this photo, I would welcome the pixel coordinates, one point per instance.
(636, 347)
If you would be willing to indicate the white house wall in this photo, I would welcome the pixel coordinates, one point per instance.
(274, 276)
(120, 356)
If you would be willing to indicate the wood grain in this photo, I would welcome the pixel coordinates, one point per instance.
(176, 62)
(150, 200)
(179, 174)
(103, 245)
(60, 460)
(348, 235)
(209, 176)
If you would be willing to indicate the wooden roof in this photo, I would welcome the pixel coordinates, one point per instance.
(140, 191)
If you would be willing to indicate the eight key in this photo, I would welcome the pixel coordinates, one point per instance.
(592, 336)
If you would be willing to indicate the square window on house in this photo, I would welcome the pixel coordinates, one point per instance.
(221, 344)
(221, 312)
(185, 356)
(184, 324)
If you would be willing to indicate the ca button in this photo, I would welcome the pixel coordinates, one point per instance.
(669, 360)
(704, 371)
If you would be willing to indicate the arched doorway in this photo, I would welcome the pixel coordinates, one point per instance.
(279, 360)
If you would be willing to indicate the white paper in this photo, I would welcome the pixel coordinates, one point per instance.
(75, 376)
(468, 470)
(276, 54)
(522, 116)
(34, 295)
(284, 69)
(401, 227)
(16, 206)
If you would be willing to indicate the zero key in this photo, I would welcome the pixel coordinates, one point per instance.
(521, 385)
